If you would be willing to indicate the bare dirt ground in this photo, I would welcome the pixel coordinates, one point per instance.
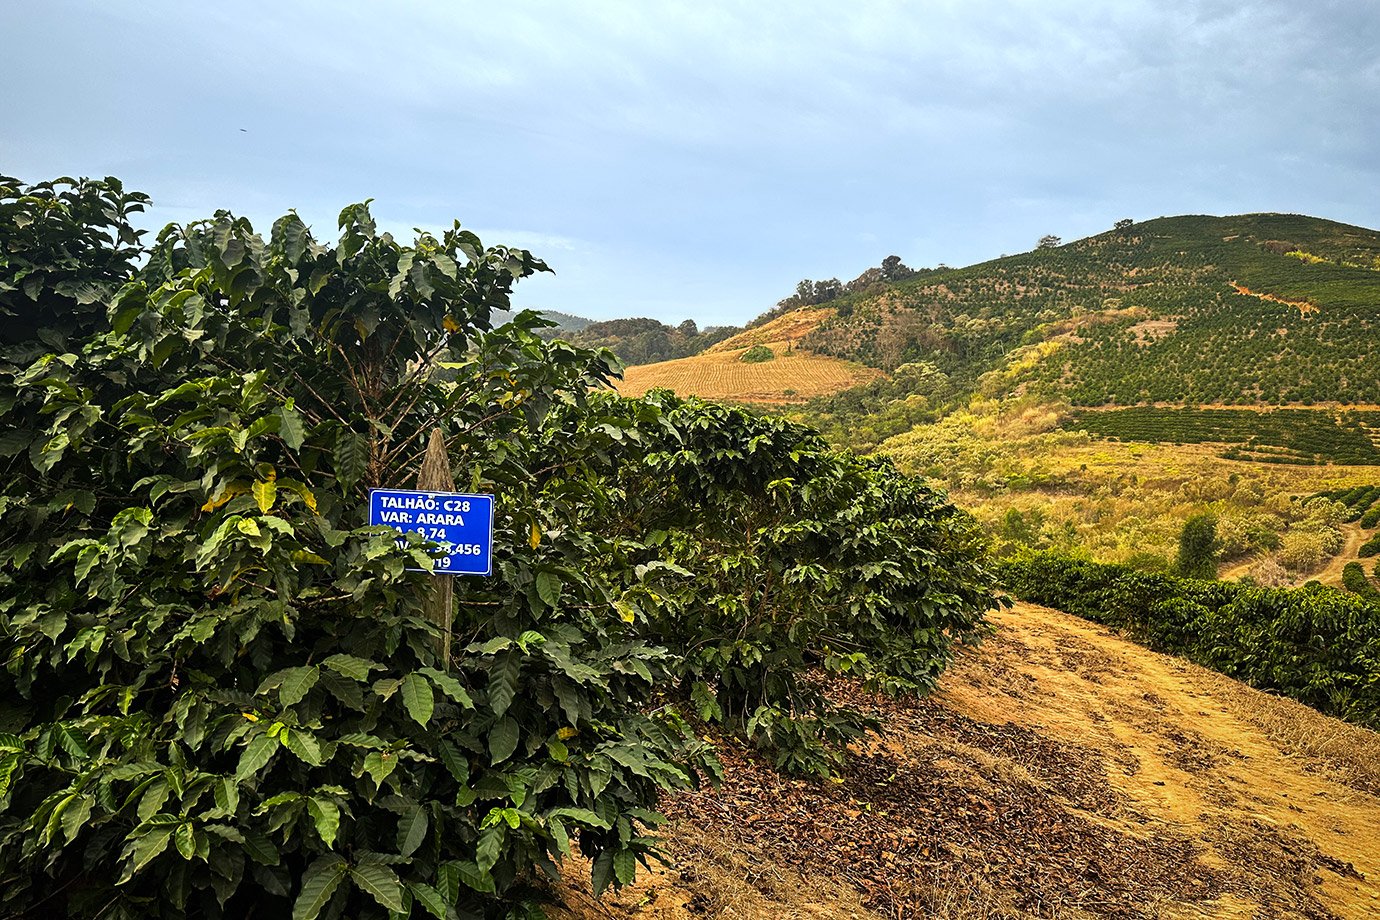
(1060, 772)
(1355, 536)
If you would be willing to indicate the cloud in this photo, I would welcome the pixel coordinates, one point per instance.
(698, 158)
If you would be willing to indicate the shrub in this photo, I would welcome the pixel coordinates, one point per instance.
(757, 354)
(1354, 580)
(221, 696)
(1198, 547)
(795, 558)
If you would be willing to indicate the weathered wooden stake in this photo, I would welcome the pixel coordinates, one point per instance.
(435, 476)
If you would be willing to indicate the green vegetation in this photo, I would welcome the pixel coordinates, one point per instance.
(646, 341)
(1033, 483)
(864, 416)
(1198, 547)
(1354, 580)
(757, 354)
(1144, 314)
(1317, 645)
(1371, 547)
(1278, 436)
(1363, 503)
(222, 694)
(813, 293)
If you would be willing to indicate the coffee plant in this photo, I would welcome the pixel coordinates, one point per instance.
(793, 560)
(221, 697)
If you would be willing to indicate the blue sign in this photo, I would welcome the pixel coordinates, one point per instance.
(464, 524)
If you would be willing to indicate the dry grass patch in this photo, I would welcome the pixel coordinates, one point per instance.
(791, 327)
(790, 377)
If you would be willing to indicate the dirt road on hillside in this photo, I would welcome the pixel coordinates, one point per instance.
(1060, 772)
(1355, 536)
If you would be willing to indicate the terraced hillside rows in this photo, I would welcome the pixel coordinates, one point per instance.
(1275, 436)
(1264, 309)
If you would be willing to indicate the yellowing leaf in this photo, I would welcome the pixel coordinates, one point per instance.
(247, 526)
(536, 535)
(265, 493)
(450, 324)
(566, 733)
(235, 488)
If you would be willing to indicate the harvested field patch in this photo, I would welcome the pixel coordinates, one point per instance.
(791, 377)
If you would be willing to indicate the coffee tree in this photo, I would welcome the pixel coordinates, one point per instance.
(219, 695)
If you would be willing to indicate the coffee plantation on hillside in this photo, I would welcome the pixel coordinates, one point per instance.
(1275, 436)
(221, 697)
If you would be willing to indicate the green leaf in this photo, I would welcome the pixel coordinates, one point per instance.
(303, 744)
(351, 457)
(351, 667)
(412, 828)
(549, 588)
(227, 795)
(429, 898)
(455, 762)
(326, 814)
(582, 815)
(256, 754)
(474, 876)
(145, 848)
(75, 815)
(265, 494)
(503, 739)
(291, 428)
(601, 873)
(319, 882)
(624, 866)
(418, 698)
(559, 835)
(449, 686)
(381, 882)
(490, 847)
(69, 742)
(185, 838)
(297, 683)
(503, 680)
(379, 764)
(260, 848)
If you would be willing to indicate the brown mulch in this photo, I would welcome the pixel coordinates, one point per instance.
(1020, 814)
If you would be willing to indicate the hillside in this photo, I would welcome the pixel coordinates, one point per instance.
(1060, 772)
(1254, 309)
(790, 375)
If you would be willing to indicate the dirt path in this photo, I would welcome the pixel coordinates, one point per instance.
(1060, 772)
(1285, 800)
(1355, 536)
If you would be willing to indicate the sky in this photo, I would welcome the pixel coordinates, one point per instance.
(697, 159)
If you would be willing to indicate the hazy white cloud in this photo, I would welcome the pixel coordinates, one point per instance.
(697, 158)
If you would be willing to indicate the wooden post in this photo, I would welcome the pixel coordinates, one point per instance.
(439, 606)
